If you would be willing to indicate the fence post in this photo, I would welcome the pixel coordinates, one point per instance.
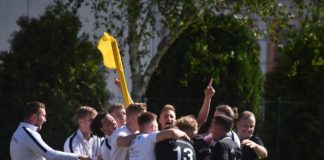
(278, 127)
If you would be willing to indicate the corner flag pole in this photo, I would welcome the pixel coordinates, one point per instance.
(109, 48)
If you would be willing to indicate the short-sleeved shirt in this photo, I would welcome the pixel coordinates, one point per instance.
(174, 150)
(142, 147)
(248, 153)
(226, 149)
(119, 153)
(202, 149)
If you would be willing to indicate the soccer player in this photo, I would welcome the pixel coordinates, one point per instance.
(142, 146)
(252, 146)
(224, 148)
(103, 126)
(82, 141)
(168, 115)
(228, 111)
(118, 111)
(118, 150)
(189, 125)
(27, 143)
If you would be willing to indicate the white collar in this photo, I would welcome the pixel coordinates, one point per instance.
(80, 134)
(28, 125)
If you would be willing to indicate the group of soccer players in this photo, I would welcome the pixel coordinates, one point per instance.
(132, 133)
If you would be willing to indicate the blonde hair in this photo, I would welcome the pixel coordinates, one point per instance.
(115, 106)
(83, 111)
(167, 107)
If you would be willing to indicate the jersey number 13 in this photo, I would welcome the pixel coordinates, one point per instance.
(187, 153)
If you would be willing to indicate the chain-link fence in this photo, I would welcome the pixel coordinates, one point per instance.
(292, 129)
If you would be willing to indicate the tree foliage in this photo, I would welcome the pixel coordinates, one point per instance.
(147, 29)
(50, 61)
(221, 48)
(298, 80)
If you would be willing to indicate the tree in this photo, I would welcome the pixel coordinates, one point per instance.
(298, 81)
(50, 61)
(232, 61)
(147, 29)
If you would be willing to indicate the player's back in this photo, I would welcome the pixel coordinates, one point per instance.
(175, 150)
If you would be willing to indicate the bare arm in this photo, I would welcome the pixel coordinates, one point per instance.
(170, 134)
(125, 141)
(204, 110)
(117, 83)
(259, 150)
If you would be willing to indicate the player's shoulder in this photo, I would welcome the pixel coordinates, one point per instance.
(199, 142)
(226, 142)
(122, 131)
(72, 136)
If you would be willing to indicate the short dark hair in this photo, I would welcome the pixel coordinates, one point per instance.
(135, 108)
(146, 118)
(32, 108)
(96, 124)
(224, 121)
(245, 114)
(111, 108)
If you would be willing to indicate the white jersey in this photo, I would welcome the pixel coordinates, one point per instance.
(142, 147)
(105, 149)
(76, 143)
(27, 144)
(119, 153)
(235, 138)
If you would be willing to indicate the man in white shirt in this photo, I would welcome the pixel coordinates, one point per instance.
(82, 141)
(27, 144)
(142, 146)
(118, 111)
(118, 151)
(103, 126)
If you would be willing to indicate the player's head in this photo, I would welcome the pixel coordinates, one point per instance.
(132, 113)
(147, 122)
(220, 125)
(103, 124)
(188, 124)
(245, 124)
(35, 114)
(84, 117)
(224, 109)
(118, 111)
(167, 116)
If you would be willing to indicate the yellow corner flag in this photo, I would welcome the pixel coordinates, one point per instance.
(109, 49)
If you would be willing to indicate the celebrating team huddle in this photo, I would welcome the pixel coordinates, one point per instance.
(133, 133)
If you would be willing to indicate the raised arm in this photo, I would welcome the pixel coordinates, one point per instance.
(204, 110)
(117, 83)
(171, 134)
